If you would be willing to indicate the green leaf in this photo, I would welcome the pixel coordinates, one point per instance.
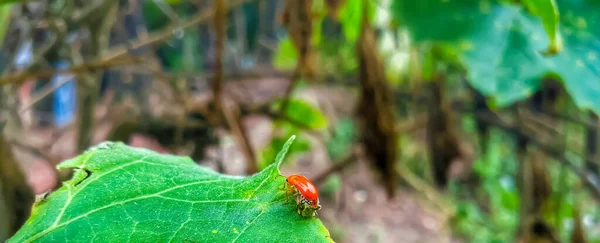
(547, 10)
(286, 55)
(318, 10)
(124, 194)
(304, 113)
(351, 17)
(3, 2)
(332, 185)
(154, 17)
(499, 43)
(268, 154)
(343, 137)
(4, 19)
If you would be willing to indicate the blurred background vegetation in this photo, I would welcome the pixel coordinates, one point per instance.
(419, 121)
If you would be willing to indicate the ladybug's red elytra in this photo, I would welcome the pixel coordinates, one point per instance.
(307, 200)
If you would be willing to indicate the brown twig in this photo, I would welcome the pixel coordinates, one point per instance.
(85, 67)
(219, 26)
(114, 53)
(89, 86)
(338, 166)
(239, 132)
(164, 34)
(53, 87)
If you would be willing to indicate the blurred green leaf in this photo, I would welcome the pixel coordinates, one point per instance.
(499, 42)
(267, 155)
(351, 17)
(332, 184)
(173, 2)
(429, 68)
(190, 53)
(124, 194)
(547, 10)
(341, 142)
(318, 10)
(4, 19)
(3, 2)
(154, 17)
(286, 55)
(498, 193)
(304, 113)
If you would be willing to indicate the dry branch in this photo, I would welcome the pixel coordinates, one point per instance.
(112, 57)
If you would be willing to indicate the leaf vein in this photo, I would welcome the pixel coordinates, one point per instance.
(248, 226)
(82, 186)
(157, 194)
(183, 224)
(202, 201)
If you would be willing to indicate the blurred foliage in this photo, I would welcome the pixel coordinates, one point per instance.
(331, 186)
(351, 16)
(299, 115)
(335, 45)
(492, 208)
(414, 156)
(506, 63)
(268, 154)
(5, 2)
(497, 193)
(507, 49)
(302, 112)
(286, 55)
(4, 19)
(340, 143)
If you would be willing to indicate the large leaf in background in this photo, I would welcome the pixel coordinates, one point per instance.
(124, 194)
(499, 43)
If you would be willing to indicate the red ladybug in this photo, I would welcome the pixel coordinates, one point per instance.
(307, 195)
